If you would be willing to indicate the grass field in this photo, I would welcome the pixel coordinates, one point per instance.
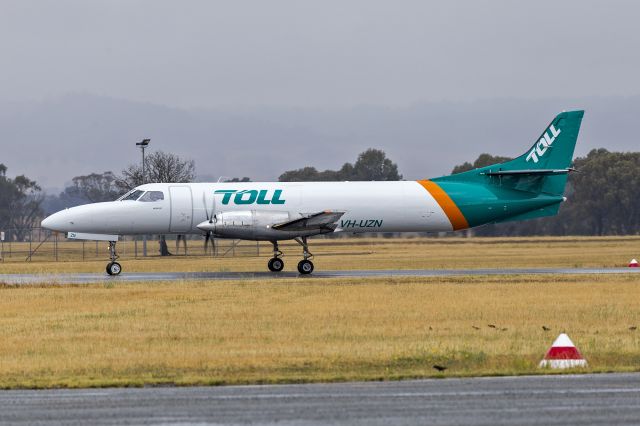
(374, 253)
(324, 330)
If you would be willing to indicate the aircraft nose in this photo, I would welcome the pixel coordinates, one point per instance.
(55, 222)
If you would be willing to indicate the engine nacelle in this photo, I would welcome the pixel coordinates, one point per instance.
(249, 225)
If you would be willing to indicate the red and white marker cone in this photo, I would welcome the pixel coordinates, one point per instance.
(563, 354)
(633, 263)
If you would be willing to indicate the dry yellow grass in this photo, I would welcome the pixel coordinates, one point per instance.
(310, 330)
(331, 329)
(378, 253)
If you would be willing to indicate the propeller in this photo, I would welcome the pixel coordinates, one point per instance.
(211, 218)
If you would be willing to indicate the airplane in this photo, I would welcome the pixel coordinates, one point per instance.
(529, 186)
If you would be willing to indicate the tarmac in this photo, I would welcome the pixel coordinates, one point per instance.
(82, 278)
(528, 400)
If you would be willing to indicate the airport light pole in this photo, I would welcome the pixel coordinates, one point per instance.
(143, 144)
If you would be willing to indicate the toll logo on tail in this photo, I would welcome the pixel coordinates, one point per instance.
(543, 144)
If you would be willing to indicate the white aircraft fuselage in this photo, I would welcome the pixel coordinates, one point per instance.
(401, 206)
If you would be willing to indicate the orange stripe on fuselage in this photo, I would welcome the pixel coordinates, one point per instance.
(452, 211)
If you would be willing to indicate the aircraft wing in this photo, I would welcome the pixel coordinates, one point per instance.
(319, 221)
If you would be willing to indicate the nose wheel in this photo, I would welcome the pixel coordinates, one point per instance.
(113, 267)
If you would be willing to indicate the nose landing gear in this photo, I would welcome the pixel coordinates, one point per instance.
(113, 267)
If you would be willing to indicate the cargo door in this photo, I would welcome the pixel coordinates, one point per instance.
(181, 209)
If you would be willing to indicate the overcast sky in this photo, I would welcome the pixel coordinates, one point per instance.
(323, 53)
(254, 88)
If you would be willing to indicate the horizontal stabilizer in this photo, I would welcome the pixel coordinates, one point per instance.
(322, 220)
(539, 172)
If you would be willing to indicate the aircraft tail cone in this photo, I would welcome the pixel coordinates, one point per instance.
(563, 354)
(633, 263)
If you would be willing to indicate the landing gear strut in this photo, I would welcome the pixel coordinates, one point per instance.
(305, 266)
(275, 263)
(113, 267)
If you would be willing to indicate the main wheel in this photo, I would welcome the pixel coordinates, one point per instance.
(114, 268)
(275, 264)
(305, 267)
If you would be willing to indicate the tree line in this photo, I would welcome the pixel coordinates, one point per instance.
(371, 164)
(602, 197)
(20, 204)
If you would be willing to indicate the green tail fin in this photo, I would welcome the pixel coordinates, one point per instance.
(543, 168)
(554, 148)
(529, 186)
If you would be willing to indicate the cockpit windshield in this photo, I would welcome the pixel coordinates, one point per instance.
(131, 195)
(151, 196)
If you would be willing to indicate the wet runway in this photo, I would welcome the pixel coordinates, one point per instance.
(217, 276)
(533, 400)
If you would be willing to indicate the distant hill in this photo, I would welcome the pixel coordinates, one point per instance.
(54, 140)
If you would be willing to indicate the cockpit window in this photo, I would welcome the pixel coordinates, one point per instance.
(132, 196)
(125, 195)
(151, 196)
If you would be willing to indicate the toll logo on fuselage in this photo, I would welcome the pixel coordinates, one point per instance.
(250, 196)
(543, 144)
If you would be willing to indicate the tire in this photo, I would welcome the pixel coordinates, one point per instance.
(275, 264)
(114, 268)
(305, 267)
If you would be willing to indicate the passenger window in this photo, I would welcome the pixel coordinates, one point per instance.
(132, 196)
(151, 196)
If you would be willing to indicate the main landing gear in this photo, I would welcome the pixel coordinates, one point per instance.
(275, 263)
(113, 267)
(305, 266)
